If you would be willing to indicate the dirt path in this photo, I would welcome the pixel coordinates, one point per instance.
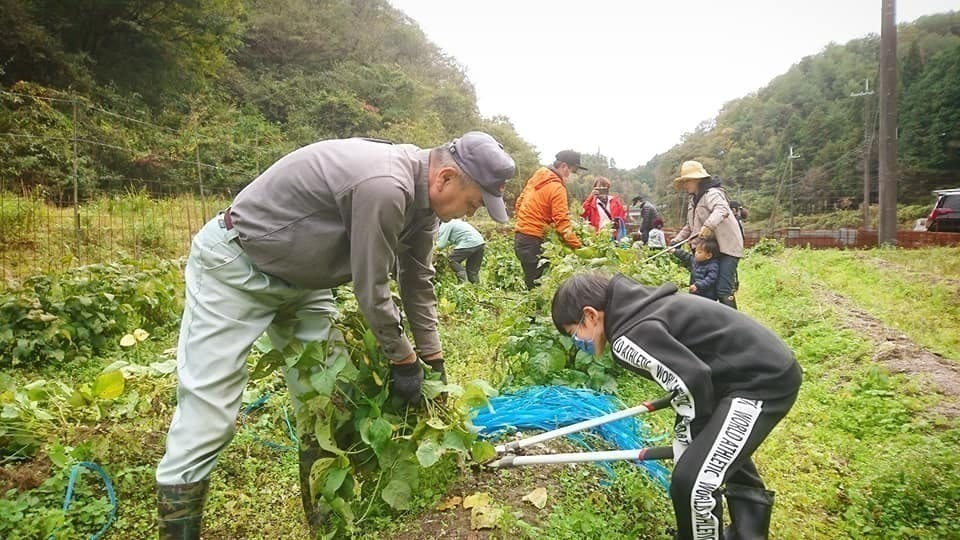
(896, 352)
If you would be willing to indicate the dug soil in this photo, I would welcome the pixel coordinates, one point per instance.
(506, 489)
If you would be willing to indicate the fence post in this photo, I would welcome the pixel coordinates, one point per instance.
(76, 185)
(203, 199)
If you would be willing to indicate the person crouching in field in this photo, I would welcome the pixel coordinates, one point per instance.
(733, 380)
(468, 245)
(704, 267)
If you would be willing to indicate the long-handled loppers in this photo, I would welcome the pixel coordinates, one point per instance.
(508, 459)
(670, 248)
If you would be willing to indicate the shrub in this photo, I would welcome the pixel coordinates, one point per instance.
(768, 247)
(84, 312)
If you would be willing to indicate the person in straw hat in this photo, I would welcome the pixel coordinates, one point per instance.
(709, 214)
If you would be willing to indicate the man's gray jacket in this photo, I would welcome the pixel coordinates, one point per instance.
(350, 209)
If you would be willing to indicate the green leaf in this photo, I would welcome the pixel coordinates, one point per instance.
(324, 380)
(475, 393)
(432, 389)
(370, 346)
(429, 452)
(397, 495)
(318, 474)
(58, 455)
(263, 344)
(108, 385)
(77, 399)
(454, 441)
(482, 451)
(335, 479)
(321, 431)
(407, 469)
(378, 434)
(342, 508)
(267, 364)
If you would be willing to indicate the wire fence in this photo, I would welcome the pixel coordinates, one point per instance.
(86, 212)
(843, 238)
(63, 203)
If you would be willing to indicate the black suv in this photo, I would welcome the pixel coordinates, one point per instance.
(945, 216)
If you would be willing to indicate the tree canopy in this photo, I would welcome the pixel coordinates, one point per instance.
(233, 84)
(172, 92)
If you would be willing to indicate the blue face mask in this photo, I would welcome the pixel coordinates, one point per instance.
(585, 345)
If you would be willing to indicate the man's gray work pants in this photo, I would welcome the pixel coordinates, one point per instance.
(229, 304)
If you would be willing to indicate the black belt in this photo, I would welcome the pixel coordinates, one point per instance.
(227, 221)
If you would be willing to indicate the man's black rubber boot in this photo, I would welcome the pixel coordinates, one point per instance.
(310, 452)
(180, 510)
(750, 509)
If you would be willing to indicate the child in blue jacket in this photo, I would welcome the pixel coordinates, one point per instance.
(704, 265)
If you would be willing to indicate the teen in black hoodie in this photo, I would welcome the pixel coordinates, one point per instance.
(733, 380)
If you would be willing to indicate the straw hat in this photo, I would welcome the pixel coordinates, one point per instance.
(690, 170)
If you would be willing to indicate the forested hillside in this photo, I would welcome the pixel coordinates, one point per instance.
(149, 89)
(170, 94)
(810, 108)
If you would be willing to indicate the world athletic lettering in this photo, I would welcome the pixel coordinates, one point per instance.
(634, 355)
(734, 433)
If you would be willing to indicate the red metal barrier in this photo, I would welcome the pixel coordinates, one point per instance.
(844, 238)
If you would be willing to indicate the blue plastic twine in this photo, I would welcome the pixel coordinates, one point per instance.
(551, 407)
(292, 433)
(74, 472)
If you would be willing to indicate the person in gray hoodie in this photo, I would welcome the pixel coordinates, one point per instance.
(732, 380)
(330, 213)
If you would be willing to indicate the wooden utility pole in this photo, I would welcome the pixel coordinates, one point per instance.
(888, 124)
(790, 159)
(867, 143)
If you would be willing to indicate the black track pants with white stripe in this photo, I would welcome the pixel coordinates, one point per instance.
(719, 453)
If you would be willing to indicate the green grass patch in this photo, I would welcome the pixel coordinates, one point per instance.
(930, 264)
(926, 311)
(838, 457)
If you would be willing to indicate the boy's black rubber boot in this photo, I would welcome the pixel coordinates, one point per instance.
(750, 509)
(730, 301)
(316, 514)
(180, 510)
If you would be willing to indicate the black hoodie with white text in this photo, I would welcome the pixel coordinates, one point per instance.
(698, 348)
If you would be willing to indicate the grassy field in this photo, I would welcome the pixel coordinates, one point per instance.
(912, 291)
(844, 463)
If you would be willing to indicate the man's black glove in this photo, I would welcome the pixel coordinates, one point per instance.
(407, 381)
(437, 365)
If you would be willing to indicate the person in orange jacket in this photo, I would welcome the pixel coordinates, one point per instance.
(603, 210)
(543, 204)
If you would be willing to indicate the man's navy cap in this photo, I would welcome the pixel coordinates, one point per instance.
(485, 161)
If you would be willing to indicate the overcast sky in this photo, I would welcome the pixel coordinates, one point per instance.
(629, 77)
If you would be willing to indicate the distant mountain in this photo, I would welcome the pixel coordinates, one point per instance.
(810, 108)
